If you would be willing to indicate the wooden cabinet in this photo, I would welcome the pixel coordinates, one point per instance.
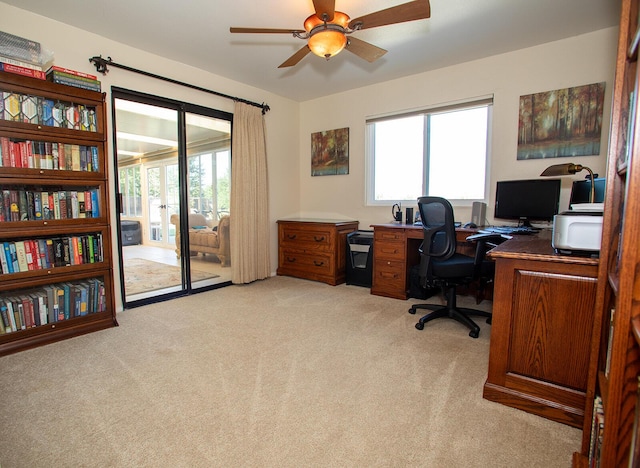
(541, 326)
(56, 279)
(314, 249)
(609, 429)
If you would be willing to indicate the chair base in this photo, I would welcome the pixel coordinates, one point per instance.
(452, 311)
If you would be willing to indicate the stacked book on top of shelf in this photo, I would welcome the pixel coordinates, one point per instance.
(20, 56)
(69, 77)
(24, 57)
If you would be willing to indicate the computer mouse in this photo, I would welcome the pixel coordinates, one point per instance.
(470, 225)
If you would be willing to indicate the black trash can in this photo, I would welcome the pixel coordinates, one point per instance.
(131, 232)
(359, 258)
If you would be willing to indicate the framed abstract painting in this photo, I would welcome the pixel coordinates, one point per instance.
(561, 123)
(330, 152)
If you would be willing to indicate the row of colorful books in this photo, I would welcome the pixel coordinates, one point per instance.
(55, 74)
(21, 256)
(47, 155)
(51, 304)
(33, 205)
(37, 110)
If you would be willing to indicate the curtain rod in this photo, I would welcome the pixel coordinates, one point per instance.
(102, 63)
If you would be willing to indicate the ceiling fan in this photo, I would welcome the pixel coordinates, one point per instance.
(327, 29)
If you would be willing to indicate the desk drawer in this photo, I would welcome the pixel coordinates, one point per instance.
(394, 251)
(389, 276)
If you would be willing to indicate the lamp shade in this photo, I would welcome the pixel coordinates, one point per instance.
(569, 169)
(563, 169)
(327, 39)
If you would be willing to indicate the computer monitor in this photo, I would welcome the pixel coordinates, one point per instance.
(527, 200)
(581, 189)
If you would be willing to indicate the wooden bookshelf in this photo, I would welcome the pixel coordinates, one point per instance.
(57, 275)
(615, 345)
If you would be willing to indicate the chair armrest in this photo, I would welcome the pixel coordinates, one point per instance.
(488, 237)
(484, 243)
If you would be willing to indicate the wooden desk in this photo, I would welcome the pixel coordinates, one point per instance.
(395, 251)
(541, 329)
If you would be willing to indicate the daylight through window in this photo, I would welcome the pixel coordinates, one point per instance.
(439, 152)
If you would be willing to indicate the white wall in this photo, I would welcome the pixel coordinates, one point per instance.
(585, 59)
(72, 48)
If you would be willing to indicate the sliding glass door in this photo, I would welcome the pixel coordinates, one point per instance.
(173, 163)
(208, 190)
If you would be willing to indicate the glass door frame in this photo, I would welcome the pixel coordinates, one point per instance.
(181, 108)
(166, 240)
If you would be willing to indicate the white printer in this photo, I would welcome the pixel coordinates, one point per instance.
(578, 231)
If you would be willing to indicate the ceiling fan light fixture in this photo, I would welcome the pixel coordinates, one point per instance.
(327, 39)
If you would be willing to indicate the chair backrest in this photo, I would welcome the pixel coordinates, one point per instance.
(438, 228)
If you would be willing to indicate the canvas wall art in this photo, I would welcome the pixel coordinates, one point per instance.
(330, 152)
(561, 123)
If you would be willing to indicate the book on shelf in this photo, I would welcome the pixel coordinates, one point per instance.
(21, 70)
(20, 48)
(597, 432)
(69, 71)
(71, 76)
(70, 80)
(607, 365)
(6, 266)
(21, 254)
(20, 63)
(6, 323)
(12, 106)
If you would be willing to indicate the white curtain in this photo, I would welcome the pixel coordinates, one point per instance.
(249, 230)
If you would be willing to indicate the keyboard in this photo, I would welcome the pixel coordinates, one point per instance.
(509, 230)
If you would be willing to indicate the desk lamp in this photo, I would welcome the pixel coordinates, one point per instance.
(569, 169)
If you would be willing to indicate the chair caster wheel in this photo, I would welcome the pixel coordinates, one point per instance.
(420, 326)
(474, 334)
(412, 311)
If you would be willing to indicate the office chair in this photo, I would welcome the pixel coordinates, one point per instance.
(441, 266)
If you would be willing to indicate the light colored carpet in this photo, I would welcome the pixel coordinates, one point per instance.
(146, 275)
(279, 373)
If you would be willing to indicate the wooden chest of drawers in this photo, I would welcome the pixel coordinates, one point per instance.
(314, 249)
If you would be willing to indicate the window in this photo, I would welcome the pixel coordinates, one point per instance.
(439, 152)
(131, 190)
(209, 183)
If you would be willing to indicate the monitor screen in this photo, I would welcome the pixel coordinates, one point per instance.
(581, 190)
(527, 200)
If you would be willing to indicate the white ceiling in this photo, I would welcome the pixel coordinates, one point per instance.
(196, 32)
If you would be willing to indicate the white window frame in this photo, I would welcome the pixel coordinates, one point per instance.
(485, 101)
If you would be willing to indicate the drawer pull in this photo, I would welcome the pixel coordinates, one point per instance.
(317, 263)
(318, 239)
(389, 275)
(291, 259)
(291, 236)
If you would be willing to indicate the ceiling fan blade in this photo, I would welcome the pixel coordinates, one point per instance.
(418, 9)
(364, 50)
(322, 7)
(295, 58)
(265, 30)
